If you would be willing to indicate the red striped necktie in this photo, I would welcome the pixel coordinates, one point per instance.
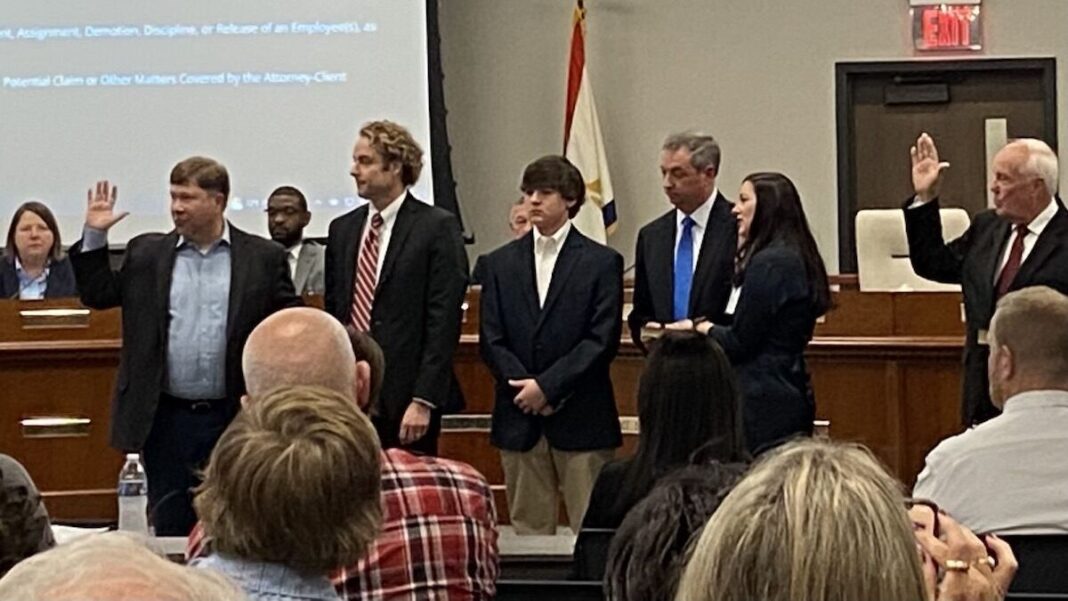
(363, 292)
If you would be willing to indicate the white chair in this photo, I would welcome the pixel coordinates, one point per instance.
(883, 251)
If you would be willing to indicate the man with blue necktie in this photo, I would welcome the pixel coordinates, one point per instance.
(684, 260)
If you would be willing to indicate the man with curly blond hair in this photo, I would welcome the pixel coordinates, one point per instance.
(396, 269)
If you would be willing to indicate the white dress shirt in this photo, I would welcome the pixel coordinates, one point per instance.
(1034, 230)
(389, 217)
(1007, 475)
(700, 225)
(546, 252)
(292, 254)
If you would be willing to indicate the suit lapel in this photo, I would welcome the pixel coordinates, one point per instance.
(304, 265)
(565, 265)
(525, 274)
(1047, 243)
(239, 270)
(717, 234)
(661, 268)
(999, 238)
(351, 249)
(164, 274)
(407, 217)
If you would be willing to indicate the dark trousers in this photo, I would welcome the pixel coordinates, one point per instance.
(183, 435)
(389, 435)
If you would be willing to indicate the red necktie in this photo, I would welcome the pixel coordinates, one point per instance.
(363, 292)
(1012, 266)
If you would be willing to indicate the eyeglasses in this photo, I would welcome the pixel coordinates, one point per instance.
(286, 211)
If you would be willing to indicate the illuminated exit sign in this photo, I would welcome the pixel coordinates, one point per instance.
(940, 26)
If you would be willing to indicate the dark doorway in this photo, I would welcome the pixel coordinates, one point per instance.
(882, 107)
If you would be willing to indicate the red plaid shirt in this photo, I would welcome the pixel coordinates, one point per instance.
(438, 538)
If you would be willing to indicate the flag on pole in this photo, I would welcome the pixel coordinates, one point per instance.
(583, 144)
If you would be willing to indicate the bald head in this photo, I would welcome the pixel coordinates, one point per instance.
(299, 347)
(113, 566)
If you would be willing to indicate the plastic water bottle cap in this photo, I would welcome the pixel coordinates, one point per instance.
(133, 456)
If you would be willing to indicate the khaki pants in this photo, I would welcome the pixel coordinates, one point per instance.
(533, 478)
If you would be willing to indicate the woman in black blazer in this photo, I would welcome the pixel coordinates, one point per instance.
(781, 289)
(689, 410)
(33, 249)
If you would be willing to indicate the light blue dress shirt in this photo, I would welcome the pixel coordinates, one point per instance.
(31, 288)
(263, 581)
(199, 305)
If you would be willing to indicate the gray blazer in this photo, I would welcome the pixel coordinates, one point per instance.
(311, 267)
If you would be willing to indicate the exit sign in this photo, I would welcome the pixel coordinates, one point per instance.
(939, 26)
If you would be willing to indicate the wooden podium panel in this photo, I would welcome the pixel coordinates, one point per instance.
(61, 368)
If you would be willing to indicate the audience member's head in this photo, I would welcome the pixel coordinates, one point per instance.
(687, 400)
(299, 346)
(519, 218)
(287, 215)
(24, 528)
(370, 367)
(813, 520)
(111, 567)
(294, 480)
(1028, 343)
(649, 548)
(33, 237)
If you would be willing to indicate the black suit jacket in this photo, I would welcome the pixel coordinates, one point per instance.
(59, 283)
(259, 285)
(973, 260)
(567, 345)
(418, 301)
(766, 342)
(654, 269)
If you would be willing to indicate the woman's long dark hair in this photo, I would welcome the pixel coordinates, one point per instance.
(687, 400)
(779, 218)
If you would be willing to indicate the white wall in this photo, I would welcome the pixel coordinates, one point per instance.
(757, 74)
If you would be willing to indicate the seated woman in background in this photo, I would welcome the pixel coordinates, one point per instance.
(687, 402)
(648, 550)
(824, 521)
(24, 527)
(781, 288)
(34, 266)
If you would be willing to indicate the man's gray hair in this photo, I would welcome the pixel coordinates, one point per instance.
(299, 347)
(1041, 162)
(704, 150)
(113, 566)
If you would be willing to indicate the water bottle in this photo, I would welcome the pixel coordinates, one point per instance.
(133, 496)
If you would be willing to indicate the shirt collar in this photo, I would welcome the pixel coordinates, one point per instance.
(224, 238)
(559, 236)
(701, 213)
(1035, 399)
(1040, 222)
(391, 209)
(22, 275)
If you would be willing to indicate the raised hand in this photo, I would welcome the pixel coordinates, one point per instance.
(100, 211)
(926, 168)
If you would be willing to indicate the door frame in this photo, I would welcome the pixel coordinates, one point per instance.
(845, 75)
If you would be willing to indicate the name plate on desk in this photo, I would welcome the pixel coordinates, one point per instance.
(54, 318)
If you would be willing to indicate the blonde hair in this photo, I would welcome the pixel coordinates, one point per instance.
(1033, 324)
(294, 480)
(113, 566)
(814, 520)
(395, 144)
